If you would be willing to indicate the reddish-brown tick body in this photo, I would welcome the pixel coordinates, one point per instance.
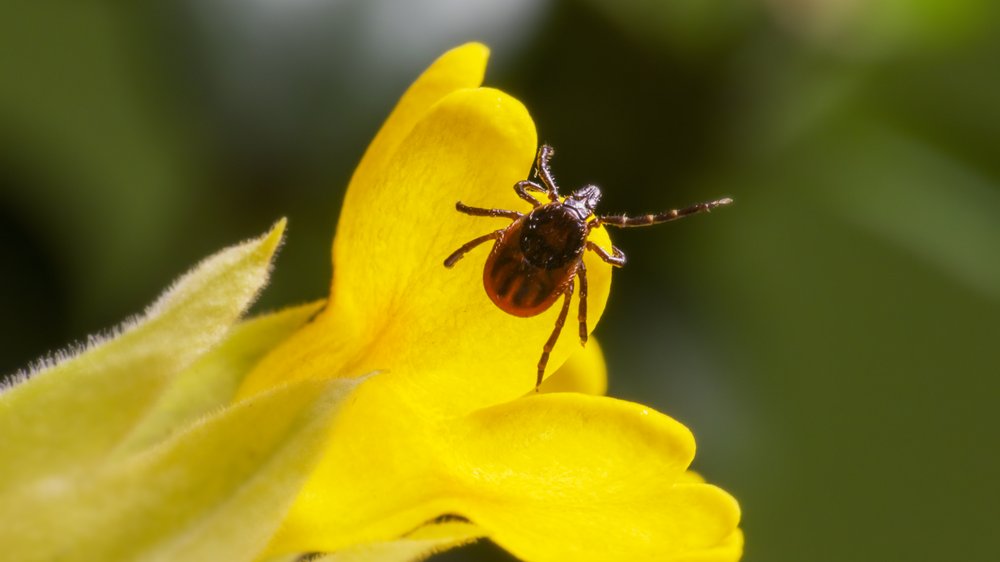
(536, 258)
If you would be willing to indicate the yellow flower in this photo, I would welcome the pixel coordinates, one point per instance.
(450, 426)
(132, 448)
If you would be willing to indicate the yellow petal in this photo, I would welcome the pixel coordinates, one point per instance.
(584, 371)
(549, 477)
(573, 477)
(375, 483)
(460, 68)
(692, 477)
(395, 307)
(730, 550)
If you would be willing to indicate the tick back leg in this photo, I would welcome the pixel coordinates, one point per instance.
(460, 253)
(551, 343)
(617, 260)
(480, 212)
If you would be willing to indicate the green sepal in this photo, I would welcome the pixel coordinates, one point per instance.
(211, 382)
(418, 545)
(71, 413)
(216, 491)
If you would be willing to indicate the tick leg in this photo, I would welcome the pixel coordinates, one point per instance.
(522, 188)
(480, 212)
(666, 216)
(581, 272)
(617, 260)
(460, 253)
(542, 170)
(560, 321)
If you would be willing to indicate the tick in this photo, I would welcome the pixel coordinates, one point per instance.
(537, 257)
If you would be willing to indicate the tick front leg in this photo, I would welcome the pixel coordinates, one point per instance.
(460, 253)
(542, 171)
(617, 260)
(581, 272)
(665, 216)
(480, 212)
(522, 188)
(551, 343)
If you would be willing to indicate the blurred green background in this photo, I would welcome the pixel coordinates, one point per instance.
(832, 339)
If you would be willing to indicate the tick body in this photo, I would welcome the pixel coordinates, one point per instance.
(538, 257)
(534, 260)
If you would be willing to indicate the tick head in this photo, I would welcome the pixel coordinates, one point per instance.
(584, 200)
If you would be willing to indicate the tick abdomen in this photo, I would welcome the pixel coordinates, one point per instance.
(517, 285)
